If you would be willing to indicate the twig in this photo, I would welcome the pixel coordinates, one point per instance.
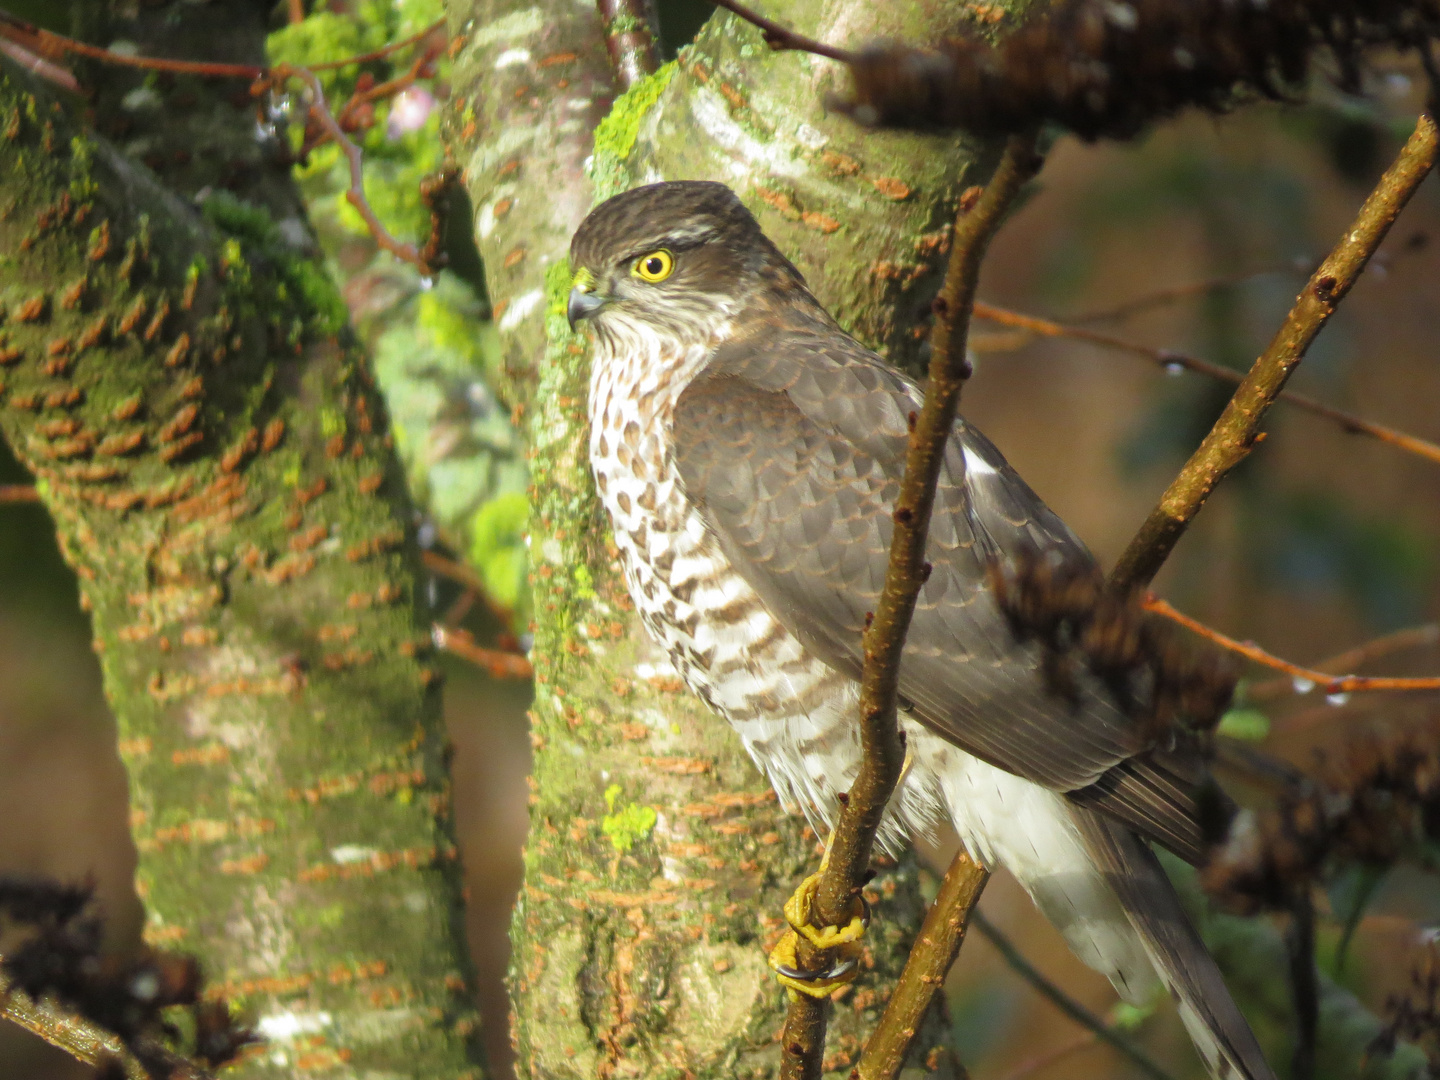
(631, 38)
(1235, 433)
(38, 66)
(930, 960)
(383, 51)
(1329, 683)
(1304, 985)
(1030, 1066)
(461, 574)
(1063, 1001)
(1412, 637)
(1172, 293)
(19, 493)
(1170, 361)
(803, 1043)
(784, 40)
(500, 664)
(78, 1037)
(355, 194)
(297, 11)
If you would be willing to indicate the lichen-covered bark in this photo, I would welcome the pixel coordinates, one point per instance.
(210, 445)
(659, 861)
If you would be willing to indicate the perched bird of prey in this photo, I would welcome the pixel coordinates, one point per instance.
(749, 453)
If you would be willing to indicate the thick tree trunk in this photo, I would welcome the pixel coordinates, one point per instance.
(208, 440)
(659, 860)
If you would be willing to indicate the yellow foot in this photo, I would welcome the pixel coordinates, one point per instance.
(842, 942)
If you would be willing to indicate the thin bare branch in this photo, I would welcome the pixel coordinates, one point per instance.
(852, 842)
(632, 39)
(1412, 637)
(783, 40)
(19, 493)
(67, 1031)
(930, 960)
(1063, 1001)
(1030, 1066)
(499, 663)
(461, 574)
(1173, 361)
(1235, 434)
(383, 51)
(1173, 293)
(1325, 681)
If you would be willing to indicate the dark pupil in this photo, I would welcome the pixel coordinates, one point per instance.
(654, 265)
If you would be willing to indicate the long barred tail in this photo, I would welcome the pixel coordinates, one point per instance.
(1219, 1031)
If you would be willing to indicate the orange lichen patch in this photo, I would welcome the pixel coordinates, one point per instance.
(377, 862)
(326, 789)
(133, 748)
(175, 449)
(119, 445)
(274, 432)
(28, 402)
(33, 310)
(157, 324)
(178, 352)
(386, 783)
(348, 659)
(247, 687)
(183, 420)
(133, 314)
(127, 409)
(666, 684)
(374, 546)
(306, 495)
(892, 188)
(514, 257)
(209, 754)
(164, 935)
(731, 828)
(368, 485)
(289, 568)
(193, 389)
(99, 242)
(634, 732)
(74, 294)
(841, 164)
(678, 766)
(187, 298)
(93, 334)
(820, 222)
(502, 207)
(557, 58)
(9, 354)
(197, 636)
(64, 449)
(687, 850)
(210, 830)
(341, 974)
(274, 987)
(700, 72)
(250, 864)
(335, 446)
(663, 894)
(220, 502)
(733, 96)
(57, 366)
(779, 201)
(122, 500)
(326, 1058)
(93, 473)
(233, 458)
(343, 632)
(61, 399)
(309, 538)
(55, 429)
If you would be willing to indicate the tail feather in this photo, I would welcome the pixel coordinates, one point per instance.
(1219, 1031)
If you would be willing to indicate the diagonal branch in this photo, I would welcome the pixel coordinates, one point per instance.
(782, 39)
(1171, 360)
(82, 1039)
(1237, 431)
(1063, 1001)
(1411, 637)
(930, 960)
(1330, 684)
(851, 843)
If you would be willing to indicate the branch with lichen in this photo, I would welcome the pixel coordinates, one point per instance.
(852, 841)
(1237, 431)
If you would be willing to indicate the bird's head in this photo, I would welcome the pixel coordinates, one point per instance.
(678, 258)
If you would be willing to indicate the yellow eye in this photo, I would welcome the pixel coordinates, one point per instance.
(656, 266)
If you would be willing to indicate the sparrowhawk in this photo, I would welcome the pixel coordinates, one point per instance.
(749, 453)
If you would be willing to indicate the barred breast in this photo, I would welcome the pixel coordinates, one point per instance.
(795, 714)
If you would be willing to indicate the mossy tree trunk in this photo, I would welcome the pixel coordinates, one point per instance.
(210, 445)
(658, 859)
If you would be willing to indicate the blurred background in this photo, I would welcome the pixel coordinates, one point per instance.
(1194, 239)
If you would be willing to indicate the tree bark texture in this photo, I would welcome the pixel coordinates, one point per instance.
(658, 859)
(210, 444)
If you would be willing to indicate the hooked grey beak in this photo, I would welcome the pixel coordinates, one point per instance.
(582, 305)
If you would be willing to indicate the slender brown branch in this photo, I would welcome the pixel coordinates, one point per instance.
(782, 39)
(1329, 683)
(1172, 293)
(632, 39)
(1030, 1066)
(853, 840)
(297, 11)
(461, 574)
(383, 51)
(78, 1037)
(355, 194)
(1412, 637)
(1235, 433)
(1171, 361)
(499, 663)
(19, 493)
(930, 960)
(1063, 1001)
